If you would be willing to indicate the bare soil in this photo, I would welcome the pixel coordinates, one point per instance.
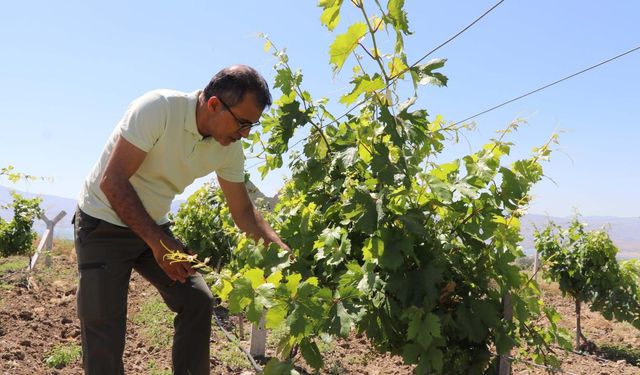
(40, 314)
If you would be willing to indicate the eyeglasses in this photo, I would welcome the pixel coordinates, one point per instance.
(244, 124)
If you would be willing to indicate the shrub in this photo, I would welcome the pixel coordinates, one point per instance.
(16, 235)
(205, 226)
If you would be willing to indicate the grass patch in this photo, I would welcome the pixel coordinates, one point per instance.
(62, 355)
(9, 265)
(617, 352)
(62, 246)
(13, 264)
(154, 369)
(156, 321)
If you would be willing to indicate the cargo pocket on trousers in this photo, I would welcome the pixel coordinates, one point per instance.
(84, 226)
(98, 297)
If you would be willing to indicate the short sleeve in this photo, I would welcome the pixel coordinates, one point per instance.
(233, 168)
(145, 121)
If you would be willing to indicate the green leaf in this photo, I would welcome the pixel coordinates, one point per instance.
(395, 248)
(410, 353)
(398, 15)
(469, 325)
(363, 85)
(256, 276)
(275, 367)
(435, 358)
(447, 171)
(293, 281)
(397, 66)
(311, 353)
(368, 221)
(425, 74)
(241, 295)
(275, 278)
(222, 288)
(341, 321)
(423, 328)
(487, 312)
(414, 222)
(254, 312)
(364, 153)
(298, 322)
(373, 248)
(286, 81)
(440, 189)
(264, 296)
(504, 342)
(275, 316)
(344, 44)
(330, 16)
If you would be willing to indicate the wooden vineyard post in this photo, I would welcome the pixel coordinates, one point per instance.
(504, 364)
(47, 240)
(258, 339)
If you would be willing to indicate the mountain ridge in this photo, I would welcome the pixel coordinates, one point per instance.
(624, 231)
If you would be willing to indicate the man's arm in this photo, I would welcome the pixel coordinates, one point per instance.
(124, 161)
(246, 216)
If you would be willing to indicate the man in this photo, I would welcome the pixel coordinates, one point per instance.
(165, 141)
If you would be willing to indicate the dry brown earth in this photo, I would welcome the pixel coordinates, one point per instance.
(35, 320)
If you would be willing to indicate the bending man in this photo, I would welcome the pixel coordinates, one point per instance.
(165, 141)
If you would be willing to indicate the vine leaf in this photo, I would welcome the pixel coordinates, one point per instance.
(311, 353)
(425, 73)
(398, 15)
(282, 368)
(363, 85)
(344, 44)
(330, 16)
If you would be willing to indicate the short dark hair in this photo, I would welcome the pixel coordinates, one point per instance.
(232, 83)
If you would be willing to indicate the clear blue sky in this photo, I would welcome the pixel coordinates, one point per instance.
(69, 69)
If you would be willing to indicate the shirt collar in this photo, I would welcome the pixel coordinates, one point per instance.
(190, 124)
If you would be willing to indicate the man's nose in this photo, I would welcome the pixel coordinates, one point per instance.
(245, 132)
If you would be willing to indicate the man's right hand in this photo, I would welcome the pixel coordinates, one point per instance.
(177, 271)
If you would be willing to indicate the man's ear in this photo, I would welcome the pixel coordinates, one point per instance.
(214, 103)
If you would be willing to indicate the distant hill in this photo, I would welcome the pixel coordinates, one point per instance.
(625, 232)
(52, 205)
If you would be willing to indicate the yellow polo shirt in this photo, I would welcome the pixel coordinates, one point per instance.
(163, 124)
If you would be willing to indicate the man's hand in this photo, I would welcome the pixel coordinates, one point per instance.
(245, 215)
(286, 247)
(292, 256)
(125, 159)
(177, 271)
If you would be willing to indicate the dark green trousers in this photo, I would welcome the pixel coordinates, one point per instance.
(106, 255)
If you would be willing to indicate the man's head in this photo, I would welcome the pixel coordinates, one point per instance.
(234, 100)
(232, 83)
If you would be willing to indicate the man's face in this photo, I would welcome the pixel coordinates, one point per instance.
(230, 123)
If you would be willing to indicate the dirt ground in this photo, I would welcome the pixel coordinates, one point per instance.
(34, 320)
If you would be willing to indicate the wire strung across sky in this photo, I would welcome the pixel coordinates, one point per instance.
(518, 97)
(549, 85)
(395, 77)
